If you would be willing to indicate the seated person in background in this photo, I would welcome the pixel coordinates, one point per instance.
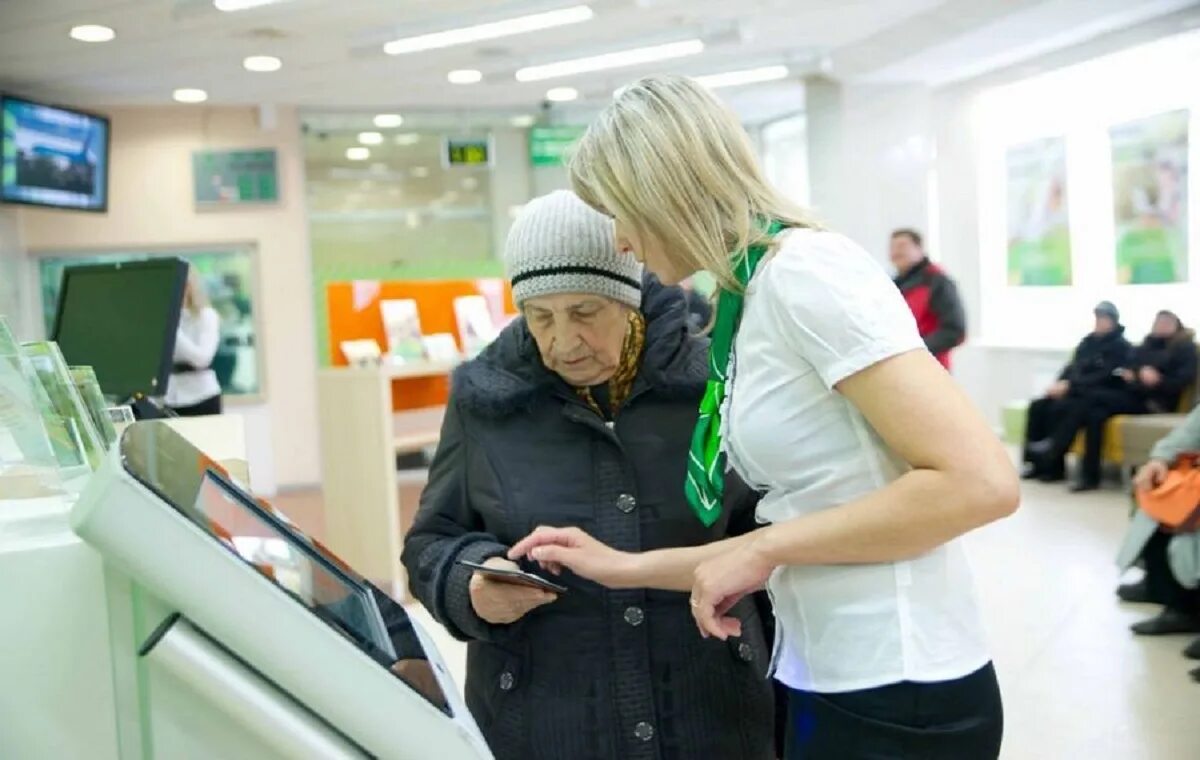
(1087, 391)
(581, 414)
(1153, 544)
(1163, 367)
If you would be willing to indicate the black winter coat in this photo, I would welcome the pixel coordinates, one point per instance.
(598, 674)
(1175, 359)
(1094, 366)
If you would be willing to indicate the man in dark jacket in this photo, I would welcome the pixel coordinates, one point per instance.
(1091, 380)
(931, 295)
(581, 413)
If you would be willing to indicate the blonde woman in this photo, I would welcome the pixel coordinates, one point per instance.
(822, 394)
(193, 390)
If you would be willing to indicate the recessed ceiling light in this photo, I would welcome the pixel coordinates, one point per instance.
(745, 76)
(523, 121)
(92, 33)
(518, 25)
(240, 5)
(358, 154)
(262, 63)
(370, 138)
(190, 95)
(407, 138)
(561, 94)
(388, 120)
(465, 76)
(615, 60)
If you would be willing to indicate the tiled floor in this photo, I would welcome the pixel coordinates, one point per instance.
(1076, 683)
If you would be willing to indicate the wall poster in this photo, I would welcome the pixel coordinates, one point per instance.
(1039, 238)
(1150, 166)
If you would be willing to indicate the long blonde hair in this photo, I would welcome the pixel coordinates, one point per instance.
(195, 295)
(672, 161)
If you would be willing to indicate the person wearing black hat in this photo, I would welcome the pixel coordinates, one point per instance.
(1091, 380)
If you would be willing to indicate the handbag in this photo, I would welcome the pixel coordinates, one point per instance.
(1176, 503)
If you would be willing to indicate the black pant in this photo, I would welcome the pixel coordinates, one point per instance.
(1060, 420)
(1161, 585)
(950, 720)
(204, 408)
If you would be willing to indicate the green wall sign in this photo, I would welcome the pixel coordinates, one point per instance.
(548, 145)
(232, 177)
(466, 152)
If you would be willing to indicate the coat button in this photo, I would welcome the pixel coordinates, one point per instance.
(746, 652)
(507, 681)
(626, 503)
(644, 731)
(634, 616)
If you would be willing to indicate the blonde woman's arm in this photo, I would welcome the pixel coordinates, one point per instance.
(961, 479)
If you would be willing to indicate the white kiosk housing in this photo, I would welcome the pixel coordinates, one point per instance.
(263, 647)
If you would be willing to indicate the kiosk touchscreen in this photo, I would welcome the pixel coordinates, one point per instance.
(265, 615)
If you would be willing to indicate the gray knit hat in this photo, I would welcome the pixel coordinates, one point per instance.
(1108, 309)
(559, 244)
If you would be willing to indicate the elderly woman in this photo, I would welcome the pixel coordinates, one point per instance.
(1171, 557)
(822, 393)
(580, 414)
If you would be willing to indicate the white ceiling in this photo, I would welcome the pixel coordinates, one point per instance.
(333, 59)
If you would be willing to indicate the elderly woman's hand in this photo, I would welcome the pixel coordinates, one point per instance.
(556, 548)
(503, 603)
(1151, 475)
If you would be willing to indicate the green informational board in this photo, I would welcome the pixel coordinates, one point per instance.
(466, 152)
(548, 145)
(231, 177)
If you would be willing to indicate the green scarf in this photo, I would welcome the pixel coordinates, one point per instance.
(705, 484)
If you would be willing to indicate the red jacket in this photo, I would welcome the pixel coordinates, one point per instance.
(933, 298)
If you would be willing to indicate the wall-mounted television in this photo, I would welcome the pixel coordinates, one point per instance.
(51, 156)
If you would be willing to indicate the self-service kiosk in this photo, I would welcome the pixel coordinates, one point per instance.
(235, 635)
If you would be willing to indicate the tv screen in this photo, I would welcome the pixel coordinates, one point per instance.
(120, 320)
(53, 156)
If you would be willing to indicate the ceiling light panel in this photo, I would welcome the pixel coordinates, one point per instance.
(490, 31)
(743, 77)
(619, 59)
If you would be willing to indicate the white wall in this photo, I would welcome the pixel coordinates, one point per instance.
(1025, 332)
(12, 272)
(870, 159)
(150, 205)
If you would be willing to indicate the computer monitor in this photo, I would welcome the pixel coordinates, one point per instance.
(120, 319)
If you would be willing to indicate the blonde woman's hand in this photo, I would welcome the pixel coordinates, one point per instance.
(722, 582)
(502, 603)
(556, 548)
(1151, 475)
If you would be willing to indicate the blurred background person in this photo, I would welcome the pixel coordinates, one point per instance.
(581, 414)
(1168, 582)
(193, 390)
(1093, 376)
(1162, 368)
(931, 295)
